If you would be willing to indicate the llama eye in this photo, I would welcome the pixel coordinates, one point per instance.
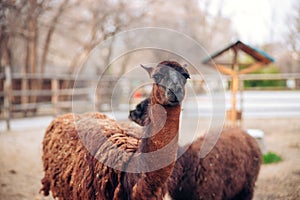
(157, 77)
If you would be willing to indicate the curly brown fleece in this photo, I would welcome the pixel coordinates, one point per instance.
(229, 171)
(72, 171)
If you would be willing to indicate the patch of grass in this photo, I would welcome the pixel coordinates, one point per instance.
(271, 157)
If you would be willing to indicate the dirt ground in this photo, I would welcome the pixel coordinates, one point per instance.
(21, 166)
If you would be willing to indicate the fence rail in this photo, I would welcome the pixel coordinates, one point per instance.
(20, 95)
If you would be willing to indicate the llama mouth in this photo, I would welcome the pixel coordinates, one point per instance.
(173, 102)
(173, 99)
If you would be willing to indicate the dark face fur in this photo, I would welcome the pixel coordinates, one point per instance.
(169, 83)
(140, 114)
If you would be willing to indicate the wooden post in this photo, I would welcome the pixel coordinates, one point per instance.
(54, 96)
(7, 96)
(241, 86)
(234, 88)
(24, 91)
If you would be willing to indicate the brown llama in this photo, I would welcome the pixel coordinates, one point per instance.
(74, 163)
(229, 171)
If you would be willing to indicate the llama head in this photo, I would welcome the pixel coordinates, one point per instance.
(169, 82)
(140, 114)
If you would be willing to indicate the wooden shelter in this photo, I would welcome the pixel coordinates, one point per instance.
(233, 69)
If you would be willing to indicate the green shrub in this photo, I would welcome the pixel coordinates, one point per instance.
(271, 157)
(271, 69)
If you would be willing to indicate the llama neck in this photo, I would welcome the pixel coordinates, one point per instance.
(157, 137)
(162, 129)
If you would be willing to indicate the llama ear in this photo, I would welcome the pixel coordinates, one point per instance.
(148, 69)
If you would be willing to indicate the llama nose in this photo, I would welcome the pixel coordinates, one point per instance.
(171, 96)
(174, 96)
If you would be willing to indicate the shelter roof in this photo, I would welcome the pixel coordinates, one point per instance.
(258, 54)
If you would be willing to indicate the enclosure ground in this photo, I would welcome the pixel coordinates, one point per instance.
(21, 166)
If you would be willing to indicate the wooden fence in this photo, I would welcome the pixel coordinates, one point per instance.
(34, 94)
(19, 96)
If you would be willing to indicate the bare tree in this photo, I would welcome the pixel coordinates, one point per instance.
(107, 19)
(195, 19)
(294, 40)
(5, 52)
(294, 30)
(52, 26)
(289, 57)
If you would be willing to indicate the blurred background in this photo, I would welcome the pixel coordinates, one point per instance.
(44, 44)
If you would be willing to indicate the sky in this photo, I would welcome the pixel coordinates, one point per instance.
(258, 21)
